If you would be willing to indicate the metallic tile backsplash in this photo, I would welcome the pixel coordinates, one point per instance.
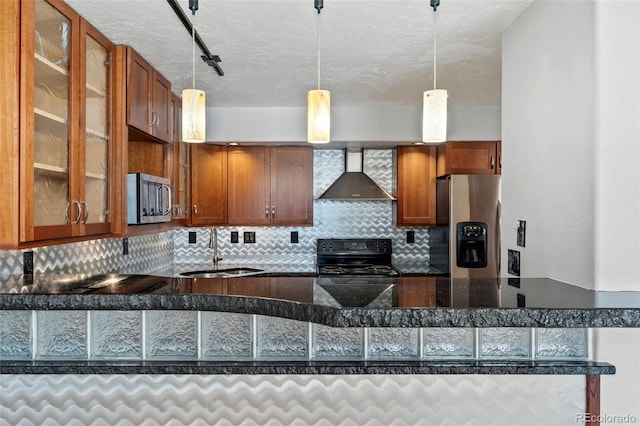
(332, 219)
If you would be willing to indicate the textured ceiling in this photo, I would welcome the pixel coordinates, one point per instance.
(372, 52)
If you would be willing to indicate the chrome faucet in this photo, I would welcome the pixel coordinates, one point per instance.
(213, 243)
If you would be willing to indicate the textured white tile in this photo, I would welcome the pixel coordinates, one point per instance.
(226, 335)
(171, 335)
(393, 343)
(116, 334)
(15, 335)
(61, 335)
(337, 342)
(281, 338)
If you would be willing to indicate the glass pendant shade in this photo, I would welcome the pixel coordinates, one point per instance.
(434, 116)
(193, 116)
(318, 116)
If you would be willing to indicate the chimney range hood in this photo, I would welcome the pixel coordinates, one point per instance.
(354, 184)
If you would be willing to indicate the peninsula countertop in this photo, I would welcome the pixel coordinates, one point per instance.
(408, 301)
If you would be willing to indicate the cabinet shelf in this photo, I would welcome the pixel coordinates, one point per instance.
(95, 92)
(47, 71)
(97, 134)
(51, 170)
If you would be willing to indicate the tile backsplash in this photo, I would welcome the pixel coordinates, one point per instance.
(332, 219)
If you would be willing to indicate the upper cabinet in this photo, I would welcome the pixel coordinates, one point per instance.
(469, 158)
(416, 186)
(148, 99)
(66, 149)
(270, 186)
(208, 184)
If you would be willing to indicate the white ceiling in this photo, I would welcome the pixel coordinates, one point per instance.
(372, 52)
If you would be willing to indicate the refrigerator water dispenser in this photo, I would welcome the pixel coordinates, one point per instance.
(471, 245)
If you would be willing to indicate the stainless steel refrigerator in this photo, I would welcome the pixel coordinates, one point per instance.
(466, 243)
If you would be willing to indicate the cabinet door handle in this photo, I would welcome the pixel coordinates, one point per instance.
(79, 207)
(86, 211)
(266, 211)
(493, 162)
(273, 212)
(195, 210)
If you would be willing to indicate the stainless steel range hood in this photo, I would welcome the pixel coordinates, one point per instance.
(354, 184)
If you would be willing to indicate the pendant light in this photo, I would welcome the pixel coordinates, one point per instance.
(318, 103)
(193, 100)
(434, 109)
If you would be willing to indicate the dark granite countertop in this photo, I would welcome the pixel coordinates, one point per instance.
(411, 301)
(309, 367)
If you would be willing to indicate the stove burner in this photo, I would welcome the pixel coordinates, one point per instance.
(333, 270)
(357, 270)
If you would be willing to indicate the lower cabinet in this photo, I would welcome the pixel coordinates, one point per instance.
(416, 190)
(296, 289)
(208, 184)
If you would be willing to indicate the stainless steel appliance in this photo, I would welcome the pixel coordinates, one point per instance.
(355, 273)
(467, 241)
(148, 199)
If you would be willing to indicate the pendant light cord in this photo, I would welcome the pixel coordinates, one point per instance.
(318, 48)
(435, 68)
(193, 61)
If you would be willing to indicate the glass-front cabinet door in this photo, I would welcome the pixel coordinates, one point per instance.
(49, 75)
(95, 65)
(65, 126)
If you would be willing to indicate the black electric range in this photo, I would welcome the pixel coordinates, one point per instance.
(356, 273)
(355, 257)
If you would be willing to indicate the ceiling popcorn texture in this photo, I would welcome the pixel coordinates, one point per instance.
(372, 52)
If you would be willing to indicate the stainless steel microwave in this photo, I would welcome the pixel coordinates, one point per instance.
(148, 199)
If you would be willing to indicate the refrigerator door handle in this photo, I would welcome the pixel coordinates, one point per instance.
(498, 242)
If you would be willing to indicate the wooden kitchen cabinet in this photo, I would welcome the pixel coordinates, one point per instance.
(67, 152)
(416, 186)
(270, 186)
(148, 99)
(208, 184)
(469, 158)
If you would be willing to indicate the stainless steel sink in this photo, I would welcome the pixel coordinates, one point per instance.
(223, 273)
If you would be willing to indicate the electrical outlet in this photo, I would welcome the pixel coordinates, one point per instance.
(522, 231)
(125, 246)
(411, 237)
(192, 237)
(521, 300)
(27, 262)
(294, 237)
(249, 237)
(234, 237)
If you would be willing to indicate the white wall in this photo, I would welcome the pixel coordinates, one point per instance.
(382, 123)
(617, 248)
(548, 140)
(571, 156)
